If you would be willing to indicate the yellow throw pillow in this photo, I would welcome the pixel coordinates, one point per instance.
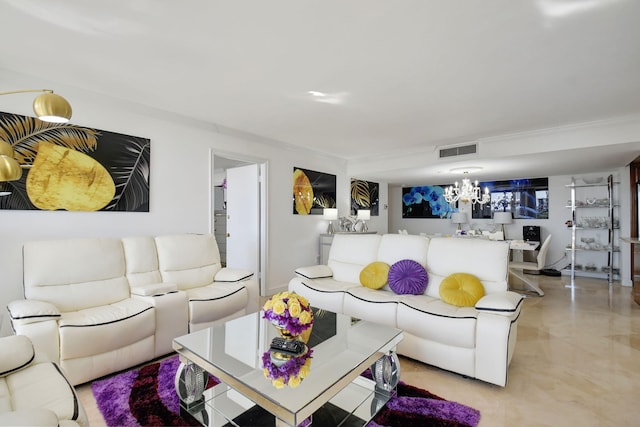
(375, 275)
(461, 290)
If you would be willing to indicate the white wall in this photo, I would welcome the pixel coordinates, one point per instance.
(179, 197)
(555, 225)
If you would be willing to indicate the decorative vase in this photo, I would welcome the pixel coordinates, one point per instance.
(286, 334)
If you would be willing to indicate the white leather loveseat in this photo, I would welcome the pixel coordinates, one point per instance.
(100, 305)
(477, 341)
(33, 390)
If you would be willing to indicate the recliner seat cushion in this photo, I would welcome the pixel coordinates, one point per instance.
(379, 306)
(44, 386)
(213, 302)
(435, 320)
(101, 329)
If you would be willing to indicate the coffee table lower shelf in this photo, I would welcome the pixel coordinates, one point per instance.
(353, 406)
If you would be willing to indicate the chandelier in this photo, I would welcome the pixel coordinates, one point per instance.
(466, 193)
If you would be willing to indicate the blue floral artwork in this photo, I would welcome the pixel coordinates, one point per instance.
(425, 202)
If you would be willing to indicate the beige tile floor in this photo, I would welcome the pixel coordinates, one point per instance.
(576, 363)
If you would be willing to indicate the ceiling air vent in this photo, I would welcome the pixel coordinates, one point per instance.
(458, 151)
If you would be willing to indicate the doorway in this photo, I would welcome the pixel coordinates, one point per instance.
(238, 212)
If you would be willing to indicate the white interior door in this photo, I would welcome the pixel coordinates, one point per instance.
(243, 218)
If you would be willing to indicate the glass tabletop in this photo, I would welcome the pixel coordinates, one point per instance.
(341, 349)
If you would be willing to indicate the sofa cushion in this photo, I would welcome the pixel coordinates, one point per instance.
(142, 260)
(188, 260)
(375, 275)
(75, 274)
(396, 247)
(488, 260)
(350, 253)
(461, 289)
(408, 277)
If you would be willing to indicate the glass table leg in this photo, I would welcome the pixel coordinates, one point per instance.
(386, 372)
(190, 382)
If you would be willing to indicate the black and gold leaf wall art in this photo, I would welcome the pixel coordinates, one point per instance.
(312, 191)
(74, 168)
(364, 195)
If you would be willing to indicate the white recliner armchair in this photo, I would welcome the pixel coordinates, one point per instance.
(78, 308)
(33, 390)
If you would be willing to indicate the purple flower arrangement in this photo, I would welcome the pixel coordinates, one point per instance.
(290, 311)
(290, 373)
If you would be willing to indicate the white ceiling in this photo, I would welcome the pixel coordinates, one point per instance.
(395, 75)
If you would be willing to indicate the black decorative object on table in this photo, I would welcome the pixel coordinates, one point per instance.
(288, 347)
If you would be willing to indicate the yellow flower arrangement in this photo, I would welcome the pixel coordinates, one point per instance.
(290, 373)
(290, 311)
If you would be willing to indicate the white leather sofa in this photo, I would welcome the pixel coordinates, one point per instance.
(100, 305)
(33, 390)
(477, 342)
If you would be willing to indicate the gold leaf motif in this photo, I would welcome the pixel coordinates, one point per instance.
(302, 192)
(62, 178)
(325, 201)
(360, 193)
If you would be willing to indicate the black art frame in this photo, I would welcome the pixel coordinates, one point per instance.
(319, 185)
(126, 158)
(365, 195)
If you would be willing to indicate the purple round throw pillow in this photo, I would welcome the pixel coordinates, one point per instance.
(408, 277)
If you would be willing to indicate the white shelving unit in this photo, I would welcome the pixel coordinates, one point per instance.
(594, 246)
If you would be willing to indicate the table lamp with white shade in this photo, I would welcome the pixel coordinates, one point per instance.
(330, 214)
(503, 218)
(364, 215)
(459, 218)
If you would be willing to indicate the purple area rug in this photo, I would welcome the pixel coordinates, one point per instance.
(147, 397)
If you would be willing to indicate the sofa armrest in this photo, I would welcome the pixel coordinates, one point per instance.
(232, 275)
(502, 303)
(16, 352)
(29, 417)
(314, 271)
(30, 311)
(153, 289)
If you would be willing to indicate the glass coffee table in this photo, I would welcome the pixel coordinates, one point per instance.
(333, 392)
